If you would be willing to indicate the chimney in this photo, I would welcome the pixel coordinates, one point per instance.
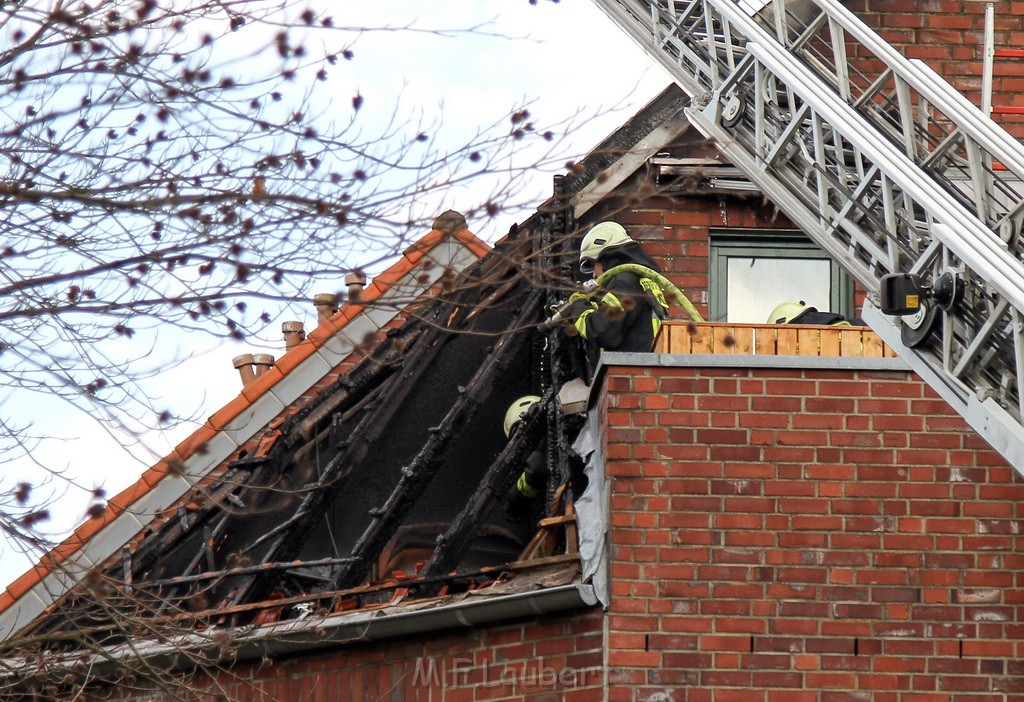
(263, 363)
(326, 306)
(355, 282)
(294, 334)
(245, 368)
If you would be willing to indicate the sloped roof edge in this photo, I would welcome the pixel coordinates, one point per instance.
(193, 459)
(628, 148)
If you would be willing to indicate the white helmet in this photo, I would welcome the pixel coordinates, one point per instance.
(786, 312)
(516, 411)
(600, 239)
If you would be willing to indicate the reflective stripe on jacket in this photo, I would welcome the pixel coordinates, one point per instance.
(626, 317)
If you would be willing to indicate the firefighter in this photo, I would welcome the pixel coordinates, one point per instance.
(791, 312)
(532, 481)
(626, 312)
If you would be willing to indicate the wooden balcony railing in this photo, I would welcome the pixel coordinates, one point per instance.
(770, 340)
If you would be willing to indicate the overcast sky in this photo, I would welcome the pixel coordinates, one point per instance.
(563, 58)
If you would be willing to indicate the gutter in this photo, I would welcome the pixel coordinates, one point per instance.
(360, 627)
(322, 632)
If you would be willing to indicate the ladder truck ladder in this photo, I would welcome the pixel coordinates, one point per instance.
(914, 191)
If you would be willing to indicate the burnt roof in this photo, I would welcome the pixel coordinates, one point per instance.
(390, 479)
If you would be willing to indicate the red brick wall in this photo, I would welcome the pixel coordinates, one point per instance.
(798, 535)
(554, 658)
(949, 36)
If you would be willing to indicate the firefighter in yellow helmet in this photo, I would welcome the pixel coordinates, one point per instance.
(627, 312)
(791, 312)
(532, 481)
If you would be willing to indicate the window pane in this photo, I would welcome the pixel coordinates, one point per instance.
(756, 285)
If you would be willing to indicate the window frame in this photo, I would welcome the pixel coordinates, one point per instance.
(724, 244)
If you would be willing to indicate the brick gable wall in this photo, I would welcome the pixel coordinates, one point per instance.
(807, 535)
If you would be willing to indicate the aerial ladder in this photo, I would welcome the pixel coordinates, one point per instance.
(913, 190)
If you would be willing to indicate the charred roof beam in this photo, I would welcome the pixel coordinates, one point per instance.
(417, 476)
(442, 324)
(455, 542)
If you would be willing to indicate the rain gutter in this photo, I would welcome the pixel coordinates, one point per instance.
(312, 633)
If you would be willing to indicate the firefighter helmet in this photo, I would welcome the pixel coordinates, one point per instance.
(600, 239)
(516, 411)
(786, 312)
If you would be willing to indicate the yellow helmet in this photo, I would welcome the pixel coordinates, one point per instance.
(601, 238)
(517, 410)
(785, 312)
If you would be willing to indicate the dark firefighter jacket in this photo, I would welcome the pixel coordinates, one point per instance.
(626, 314)
(531, 483)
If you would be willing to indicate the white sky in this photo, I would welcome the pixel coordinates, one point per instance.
(565, 58)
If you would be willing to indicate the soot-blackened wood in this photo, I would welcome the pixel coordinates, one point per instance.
(442, 327)
(453, 544)
(419, 473)
(242, 570)
(559, 262)
(319, 495)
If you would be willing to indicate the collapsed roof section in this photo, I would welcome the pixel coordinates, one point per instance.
(386, 483)
(200, 458)
(391, 472)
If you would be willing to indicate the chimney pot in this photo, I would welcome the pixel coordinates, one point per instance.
(263, 363)
(294, 334)
(326, 306)
(244, 364)
(355, 282)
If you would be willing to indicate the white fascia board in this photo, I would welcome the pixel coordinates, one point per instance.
(160, 497)
(21, 613)
(253, 418)
(598, 189)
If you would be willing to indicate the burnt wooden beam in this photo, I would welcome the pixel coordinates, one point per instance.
(180, 527)
(319, 495)
(453, 544)
(289, 536)
(559, 225)
(418, 475)
(241, 570)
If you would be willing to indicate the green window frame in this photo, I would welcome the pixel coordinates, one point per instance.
(776, 244)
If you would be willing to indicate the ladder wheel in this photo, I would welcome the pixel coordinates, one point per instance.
(733, 109)
(917, 328)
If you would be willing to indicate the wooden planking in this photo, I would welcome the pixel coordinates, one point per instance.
(744, 338)
(851, 345)
(723, 340)
(770, 340)
(872, 346)
(808, 341)
(764, 340)
(701, 339)
(786, 343)
(830, 341)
